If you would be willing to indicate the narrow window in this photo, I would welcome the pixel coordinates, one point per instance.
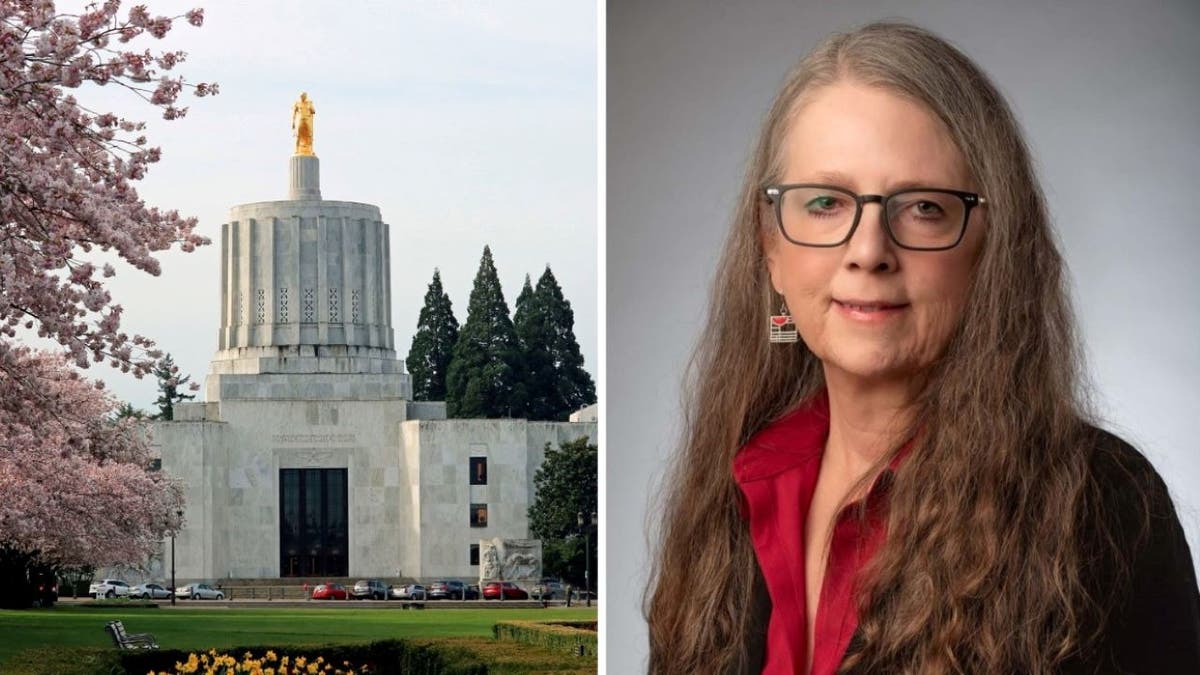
(479, 515)
(479, 471)
(475, 555)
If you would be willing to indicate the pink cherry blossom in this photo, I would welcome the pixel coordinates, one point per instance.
(74, 485)
(66, 183)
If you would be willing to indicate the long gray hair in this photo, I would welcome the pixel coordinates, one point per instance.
(982, 560)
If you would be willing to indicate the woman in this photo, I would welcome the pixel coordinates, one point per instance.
(913, 486)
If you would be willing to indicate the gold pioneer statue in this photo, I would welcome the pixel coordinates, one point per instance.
(302, 125)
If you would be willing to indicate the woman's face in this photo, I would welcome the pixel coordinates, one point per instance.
(869, 308)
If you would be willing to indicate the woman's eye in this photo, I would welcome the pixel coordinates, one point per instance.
(823, 203)
(928, 209)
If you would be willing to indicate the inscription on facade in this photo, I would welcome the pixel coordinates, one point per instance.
(319, 439)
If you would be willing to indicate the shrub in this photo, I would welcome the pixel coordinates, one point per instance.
(508, 657)
(74, 661)
(574, 637)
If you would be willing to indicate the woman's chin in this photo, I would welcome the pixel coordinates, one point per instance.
(870, 366)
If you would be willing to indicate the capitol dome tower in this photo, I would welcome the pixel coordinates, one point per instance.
(306, 286)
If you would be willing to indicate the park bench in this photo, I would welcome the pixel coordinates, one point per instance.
(125, 640)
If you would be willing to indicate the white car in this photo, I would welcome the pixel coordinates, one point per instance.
(199, 592)
(408, 592)
(149, 592)
(548, 589)
(108, 588)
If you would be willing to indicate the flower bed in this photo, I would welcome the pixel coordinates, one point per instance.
(269, 663)
(386, 657)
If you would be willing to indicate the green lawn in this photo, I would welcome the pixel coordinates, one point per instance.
(204, 628)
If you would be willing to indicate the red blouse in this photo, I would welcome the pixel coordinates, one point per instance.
(777, 473)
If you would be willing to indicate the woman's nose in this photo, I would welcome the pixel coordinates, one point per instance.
(870, 248)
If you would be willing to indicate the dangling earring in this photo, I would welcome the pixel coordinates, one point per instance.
(783, 328)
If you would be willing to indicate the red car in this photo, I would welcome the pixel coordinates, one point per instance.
(330, 592)
(491, 591)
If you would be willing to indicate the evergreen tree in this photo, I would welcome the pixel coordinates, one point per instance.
(556, 383)
(433, 344)
(574, 385)
(521, 309)
(127, 411)
(534, 333)
(525, 385)
(169, 386)
(483, 371)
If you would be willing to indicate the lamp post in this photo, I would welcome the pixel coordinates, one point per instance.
(587, 554)
(180, 514)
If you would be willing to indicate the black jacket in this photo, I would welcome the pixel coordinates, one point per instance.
(1154, 627)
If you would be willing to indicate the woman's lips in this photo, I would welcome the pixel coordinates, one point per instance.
(869, 311)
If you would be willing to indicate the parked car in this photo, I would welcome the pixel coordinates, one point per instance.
(473, 592)
(108, 588)
(491, 591)
(448, 589)
(330, 592)
(548, 589)
(373, 589)
(149, 592)
(409, 592)
(199, 592)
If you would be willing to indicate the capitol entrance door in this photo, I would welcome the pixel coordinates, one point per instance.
(313, 523)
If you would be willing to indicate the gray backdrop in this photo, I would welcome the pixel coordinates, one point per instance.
(1108, 93)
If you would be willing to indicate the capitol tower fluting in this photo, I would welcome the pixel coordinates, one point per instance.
(305, 284)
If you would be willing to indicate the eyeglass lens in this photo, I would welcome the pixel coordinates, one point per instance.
(917, 219)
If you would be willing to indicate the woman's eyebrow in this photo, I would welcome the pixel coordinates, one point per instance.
(844, 180)
(834, 178)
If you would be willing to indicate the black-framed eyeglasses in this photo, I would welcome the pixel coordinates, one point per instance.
(825, 216)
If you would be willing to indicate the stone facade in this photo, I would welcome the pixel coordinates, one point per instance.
(305, 377)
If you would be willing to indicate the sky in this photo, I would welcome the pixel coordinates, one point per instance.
(467, 123)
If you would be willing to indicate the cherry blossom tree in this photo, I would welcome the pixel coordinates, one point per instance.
(66, 179)
(73, 486)
(75, 481)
